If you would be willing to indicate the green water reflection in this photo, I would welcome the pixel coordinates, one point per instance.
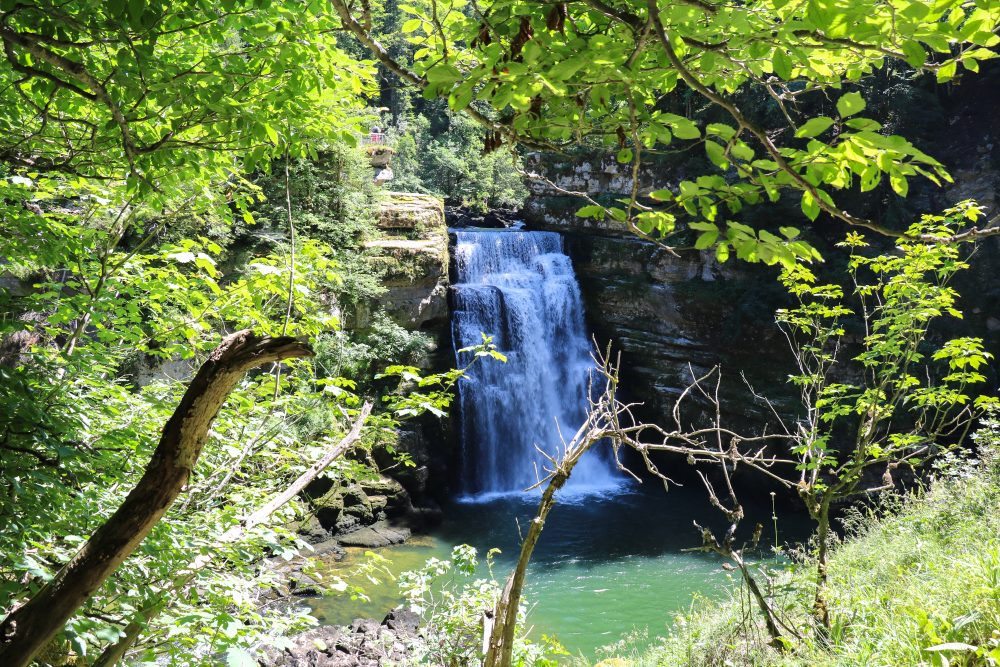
(605, 565)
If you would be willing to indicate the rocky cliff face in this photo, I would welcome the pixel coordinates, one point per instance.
(666, 312)
(670, 315)
(413, 252)
(413, 256)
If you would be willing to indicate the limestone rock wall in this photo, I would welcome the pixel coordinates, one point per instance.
(672, 315)
(665, 312)
(413, 252)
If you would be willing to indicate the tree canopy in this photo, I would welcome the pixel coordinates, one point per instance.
(170, 97)
(550, 75)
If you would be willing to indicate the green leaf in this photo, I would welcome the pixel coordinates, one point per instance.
(899, 184)
(814, 127)
(850, 104)
(947, 71)
(722, 130)
(952, 646)
(272, 134)
(742, 151)
(716, 154)
(782, 63)
(810, 207)
(864, 124)
(443, 74)
(461, 97)
(237, 657)
(706, 240)
(567, 68)
(135, 10)
(115, 8)
(591, 211)
(914, 53)
(683, 128)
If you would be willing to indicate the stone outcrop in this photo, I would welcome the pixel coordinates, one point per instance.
(365, 643)
(413, 254)
(371, 513)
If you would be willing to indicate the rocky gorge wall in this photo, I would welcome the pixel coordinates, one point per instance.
(665, 311)
(672, 315)
(411, 255)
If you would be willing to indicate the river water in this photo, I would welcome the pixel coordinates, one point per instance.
(605, 565)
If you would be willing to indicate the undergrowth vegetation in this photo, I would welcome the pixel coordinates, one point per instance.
(916, 581)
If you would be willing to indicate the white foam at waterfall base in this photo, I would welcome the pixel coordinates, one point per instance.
(519, 287)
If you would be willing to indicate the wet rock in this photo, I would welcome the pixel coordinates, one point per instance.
(366, 643)
(402, 621)
(329, 548)
(319, 487)
(346, 524)
(460, 218)
(301, 584)
(365, 625)
(328, 509)
(312, 530)
(379, 503)
(357, 504)
(381, 534)
(385, 486)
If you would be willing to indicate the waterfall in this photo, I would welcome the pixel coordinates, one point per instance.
(519, 288)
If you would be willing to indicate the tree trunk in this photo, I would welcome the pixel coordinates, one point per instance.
(114, 653)
(501, 637)
(30, 627)
(821, 610)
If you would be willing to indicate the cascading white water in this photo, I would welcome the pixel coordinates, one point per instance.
(519, 288)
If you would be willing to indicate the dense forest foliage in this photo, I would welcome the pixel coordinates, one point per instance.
(191, 329)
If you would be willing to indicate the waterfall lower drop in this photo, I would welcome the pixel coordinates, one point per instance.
(519, 288)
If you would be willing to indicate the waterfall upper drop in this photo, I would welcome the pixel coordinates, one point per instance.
(519, 288)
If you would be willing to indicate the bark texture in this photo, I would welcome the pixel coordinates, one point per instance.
(114, 653)
(30, 627)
